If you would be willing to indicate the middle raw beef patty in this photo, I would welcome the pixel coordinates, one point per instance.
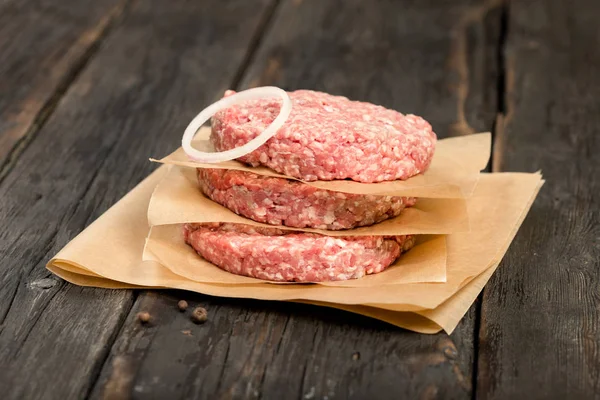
(279, 201)
(285, 256)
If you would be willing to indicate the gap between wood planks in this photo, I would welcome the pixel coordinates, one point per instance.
(263, 26)
(99, 33)
(494, 166)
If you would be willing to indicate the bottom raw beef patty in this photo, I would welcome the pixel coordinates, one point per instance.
(278, 255)
(278, 201)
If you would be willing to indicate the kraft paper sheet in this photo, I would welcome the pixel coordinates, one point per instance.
(108, 254)
(453, 172)
(177, 199)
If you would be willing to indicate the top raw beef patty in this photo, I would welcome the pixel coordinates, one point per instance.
(329, 137)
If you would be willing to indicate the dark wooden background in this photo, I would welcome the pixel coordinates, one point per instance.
(90, 89)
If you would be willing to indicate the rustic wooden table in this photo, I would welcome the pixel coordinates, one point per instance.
(89, 90)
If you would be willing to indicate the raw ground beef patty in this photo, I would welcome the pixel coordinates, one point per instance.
(284, 256)
(278, 201)
(329, 137)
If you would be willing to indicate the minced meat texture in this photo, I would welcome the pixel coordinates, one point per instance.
(329, 137)
(278, 201)
(276, 255)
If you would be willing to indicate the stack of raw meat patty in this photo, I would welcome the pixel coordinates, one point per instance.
(325, 138)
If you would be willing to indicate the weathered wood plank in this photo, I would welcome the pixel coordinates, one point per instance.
(43, 46)
(396, 54)
(540, 329)
(133, 99)
(430, 58)
(253, 349)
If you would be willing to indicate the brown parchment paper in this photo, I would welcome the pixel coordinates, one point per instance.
(446, 316)
(496, 208)
(425, 262)
(453, 172)
(110, 250)
(177, 199)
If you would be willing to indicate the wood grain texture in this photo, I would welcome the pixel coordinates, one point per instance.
(134, 99)
(44, 45)
(251, 349)
(431, 58)
(396, 54)
(540, 329)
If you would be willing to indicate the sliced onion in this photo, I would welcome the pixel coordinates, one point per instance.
(226, 102)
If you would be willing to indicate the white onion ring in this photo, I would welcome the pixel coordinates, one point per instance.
(226, 102)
